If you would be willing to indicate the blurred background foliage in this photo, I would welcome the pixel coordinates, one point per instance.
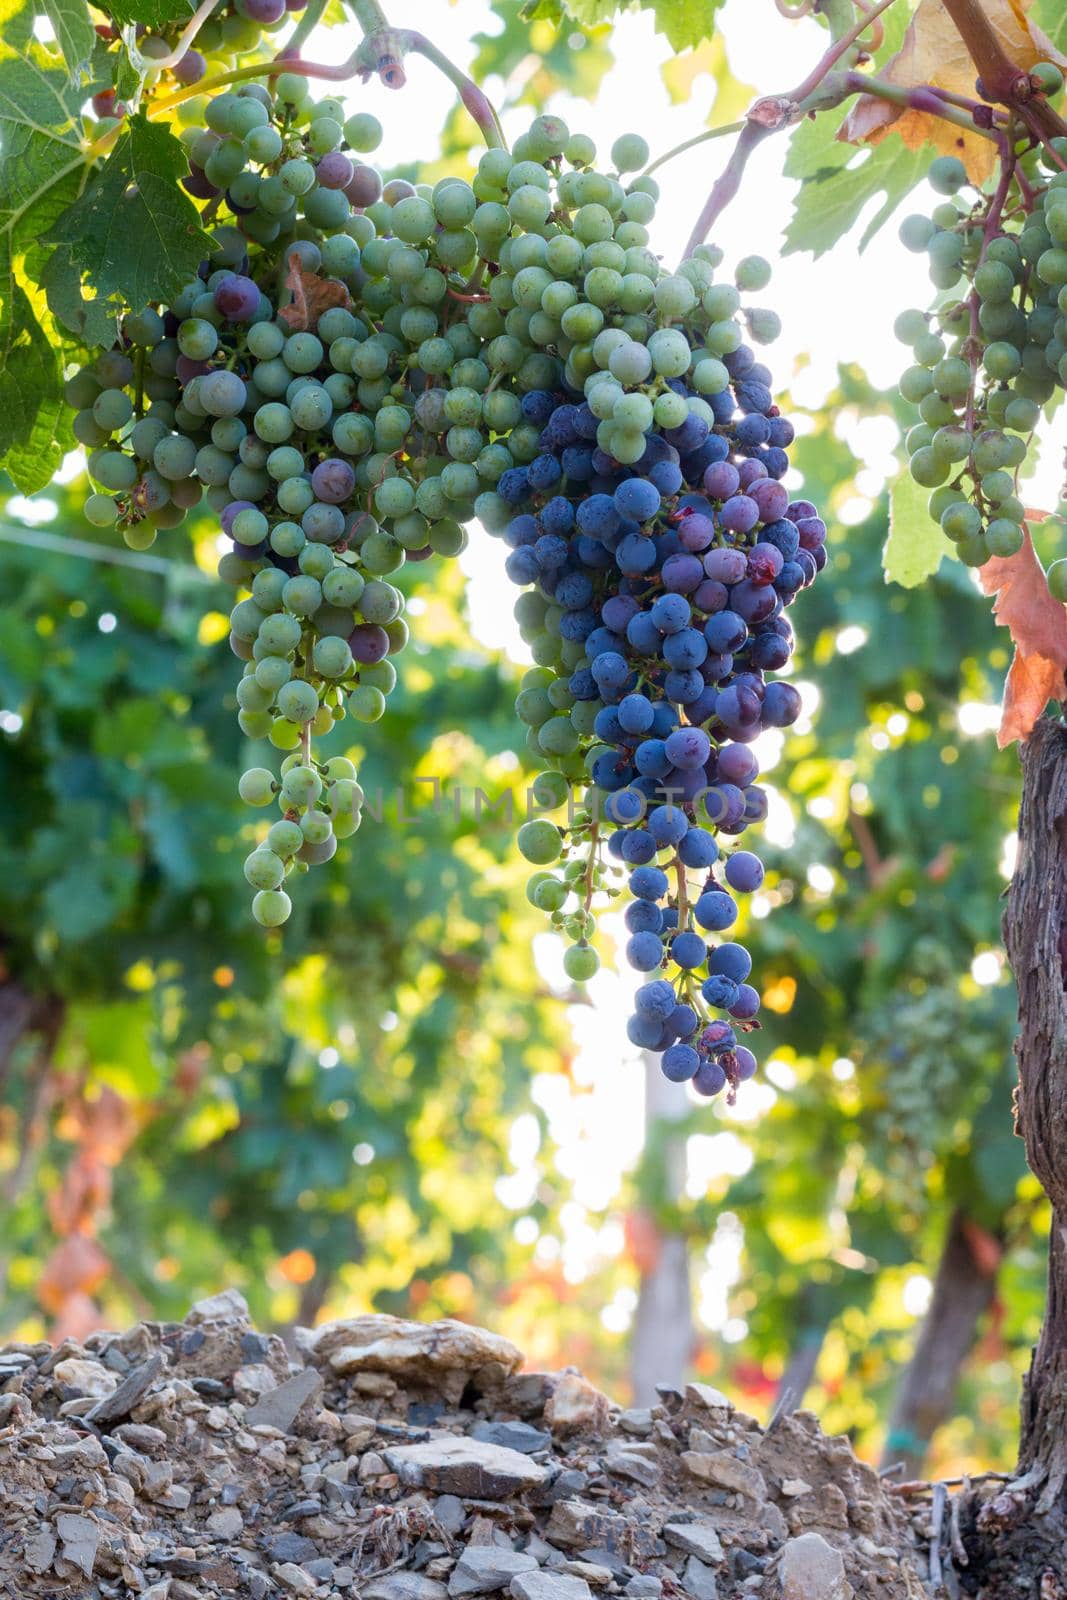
(390, 1109)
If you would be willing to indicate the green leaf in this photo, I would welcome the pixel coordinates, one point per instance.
(94, 322)
(1051, 17)
(153, 13)
(686, 23)
(915, 544)
(30, 398)
(134, 233)
(39, 177)
(74, 31)
(832, 195)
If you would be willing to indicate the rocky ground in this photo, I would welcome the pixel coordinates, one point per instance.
(391, 1460)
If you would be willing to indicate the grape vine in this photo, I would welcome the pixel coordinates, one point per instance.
(348, 370)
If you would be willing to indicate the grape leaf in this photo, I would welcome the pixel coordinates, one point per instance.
(39, 176)
(153, 13)
(134, 233)
(832, 196)
(1038, 627)
(74, 31)
(94, 322)
(933, 52)
(1051, 15)
(686, 23)
(30, 398)
(915, 544)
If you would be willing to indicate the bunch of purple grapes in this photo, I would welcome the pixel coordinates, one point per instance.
(659, 606)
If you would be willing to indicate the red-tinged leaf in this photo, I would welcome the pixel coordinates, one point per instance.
(1038, 627)
(312, 296)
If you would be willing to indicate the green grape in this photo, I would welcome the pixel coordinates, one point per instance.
(539, 841)
(257, 786)
(752, 273)
(363, 132)
(947, 174)
(271, 907)
(263, 869)
(581, 962)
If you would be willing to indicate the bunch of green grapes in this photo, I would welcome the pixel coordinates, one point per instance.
(346, 382)
(987, 361)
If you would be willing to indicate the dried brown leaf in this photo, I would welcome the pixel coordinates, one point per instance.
(1038, 627)
(312, 295)
(933, 53)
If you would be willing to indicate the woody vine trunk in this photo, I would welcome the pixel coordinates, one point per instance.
(1035, 934)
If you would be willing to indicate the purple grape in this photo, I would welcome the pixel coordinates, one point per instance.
(750, 473)
(237, 298)
(764, 563)
(364, 188)
(771, 497)
(722, 480)
(725, 566)
(744, 871)
(263, 10)
(199, 185)
(739, 514)
(746, 1004)
(333, 481)
(369, 643)
(334, 170)
(709, 1079)
(191, 68)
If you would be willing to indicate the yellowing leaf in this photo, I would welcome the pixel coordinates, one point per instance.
(680, 73)
(915, 544)
(934, 53)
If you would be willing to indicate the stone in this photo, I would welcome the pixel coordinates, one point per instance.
(450, 1513)
(278, 1408)
(576, 1404)
(811, 1569)
(39, 1552)
(549, 1586)
(484, 1568)
(699, 1580)
(631, 1461)
(249, 1382)
(795, 1486)
(88, 1377)
(467, 1467)
(217, 1307)
(295, 1579)
(703, 1394)
(638, 1421)
(722, 1468)
(512, 1435)
(129, 1394)
(591, 1571)
(440, 1354)
(226, 1524)
(290, 1547)
(404, 1586)
(696, 1539)
(79, 1537)
(644, 1585)
(578, 1524)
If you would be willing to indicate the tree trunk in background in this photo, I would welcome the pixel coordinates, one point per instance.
(963, 1292)
(661, 1344)
(1035, 935)
(809, 1335)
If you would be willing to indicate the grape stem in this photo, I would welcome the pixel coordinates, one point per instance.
(821, 90)
(308, 22)
(1001, 79)
(689, 144)
(144, 64)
